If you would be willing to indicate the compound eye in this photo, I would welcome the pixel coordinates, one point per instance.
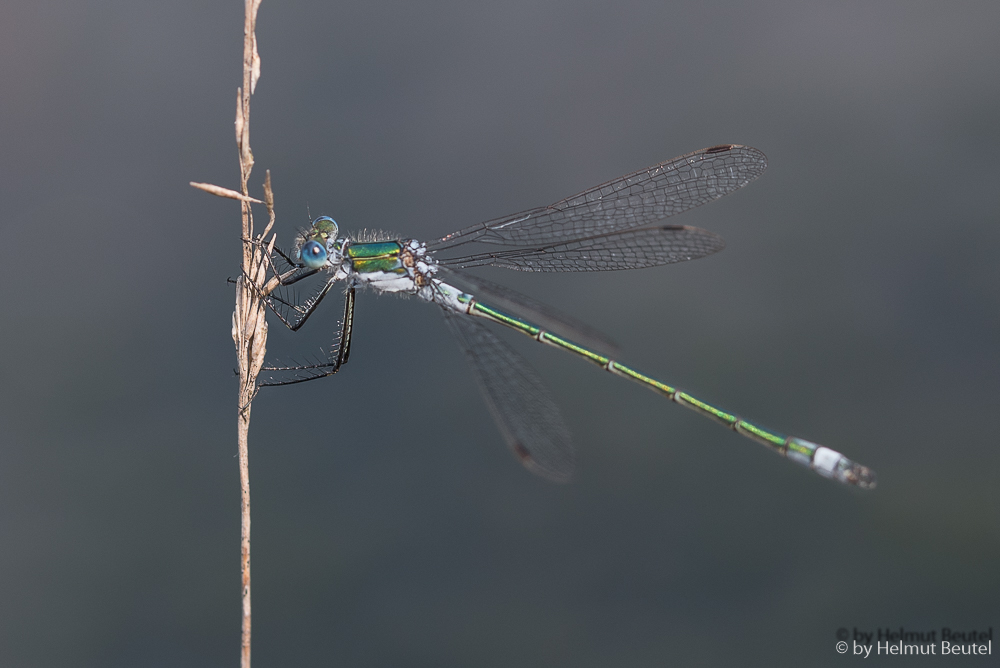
(325, 226)
(313, 255)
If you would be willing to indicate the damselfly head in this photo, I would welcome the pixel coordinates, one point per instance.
(315, 243)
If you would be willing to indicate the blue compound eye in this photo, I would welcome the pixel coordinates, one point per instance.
(313, 254)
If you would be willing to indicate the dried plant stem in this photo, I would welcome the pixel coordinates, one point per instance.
(249, 325)
(224, 192)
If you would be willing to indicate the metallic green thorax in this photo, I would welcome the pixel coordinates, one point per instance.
(376, 257)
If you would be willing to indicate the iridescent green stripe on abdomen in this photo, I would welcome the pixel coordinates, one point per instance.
(490, 313)
(828, 463)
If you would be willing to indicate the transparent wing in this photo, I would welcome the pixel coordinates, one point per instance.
(522, 407)
(521, 305)
(629, 201)
(631, 249)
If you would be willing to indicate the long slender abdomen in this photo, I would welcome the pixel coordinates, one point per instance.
(824, 461)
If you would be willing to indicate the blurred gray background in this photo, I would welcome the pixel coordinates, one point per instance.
(857, 304)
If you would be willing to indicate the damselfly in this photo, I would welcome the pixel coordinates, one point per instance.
(616, 225)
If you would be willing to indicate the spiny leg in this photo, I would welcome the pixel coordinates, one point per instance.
(288, 277)
(339, 355)
(297, 273)
(295, 324)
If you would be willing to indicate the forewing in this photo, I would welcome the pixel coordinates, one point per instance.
(630, 201)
